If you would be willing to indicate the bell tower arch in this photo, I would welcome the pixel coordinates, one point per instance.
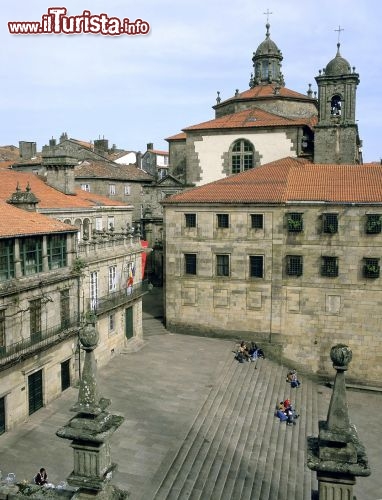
(336, 133)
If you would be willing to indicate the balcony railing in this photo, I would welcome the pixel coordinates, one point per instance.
(38, 341)
(116, 299)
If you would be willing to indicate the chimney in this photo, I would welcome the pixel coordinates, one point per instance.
(27, 150)
(60, 172)
(101, 146)
(150, 145)
(25, 200)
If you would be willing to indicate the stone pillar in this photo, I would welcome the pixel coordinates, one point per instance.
(18, 272)
(45, 263)
(90, 431)
(337, 455)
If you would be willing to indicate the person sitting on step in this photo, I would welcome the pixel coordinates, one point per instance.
(292, 379)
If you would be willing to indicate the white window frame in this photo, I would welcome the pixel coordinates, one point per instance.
(93, 290)
(98, 223)
(110, 221)
(112, 278)
(127, 189)
(111, 189)
(85, 187)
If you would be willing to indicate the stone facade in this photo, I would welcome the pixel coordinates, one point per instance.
(303, 313)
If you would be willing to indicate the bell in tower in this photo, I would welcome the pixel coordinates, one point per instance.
(336, 134)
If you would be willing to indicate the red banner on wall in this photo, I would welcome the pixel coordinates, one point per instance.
(144, 244)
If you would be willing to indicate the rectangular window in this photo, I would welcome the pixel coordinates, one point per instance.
(85, 187)
(35, 319)
(2, 415)
(7, 263)
(190, 220)
(223, 220)
(329, 266)
(65, 308)
(127, 190)
(111, 322)
(373, 224)
(330, 223)
(98, 223)
(111, 189)
(256, 266)
(112, 278)
(371, 268)
(110, 223)
(93, 290)
(294, 265)
(2, 329)
(56, 251)
(222, 265)
(257, 221)
(31, 255)
(295, 222)
(190, 263)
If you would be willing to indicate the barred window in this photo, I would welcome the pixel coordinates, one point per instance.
(371, 268)
(330, 223)
(329, 266)
(222, 265)
(35, 319)
(190, 263)
(256, 266)
(373, 224)
(190, 220)
(223, 220)
(294, 265)
(295, 222)
(257, 221)
(111, 322)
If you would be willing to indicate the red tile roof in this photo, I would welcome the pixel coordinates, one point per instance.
(158, 152)
(17, 222)
(182, 136)
(50, 197)
(252, 118)
(291, 179)
(268, 91)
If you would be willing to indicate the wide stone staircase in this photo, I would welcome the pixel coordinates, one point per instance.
(236, 449)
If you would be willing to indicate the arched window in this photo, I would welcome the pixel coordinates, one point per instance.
(335, 105)
(241, 156)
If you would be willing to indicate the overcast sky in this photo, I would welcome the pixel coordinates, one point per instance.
(135, 90)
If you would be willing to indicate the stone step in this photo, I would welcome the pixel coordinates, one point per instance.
(231, 439)
(236, 448)
(235, 472)
(214, 430)
(171, 467)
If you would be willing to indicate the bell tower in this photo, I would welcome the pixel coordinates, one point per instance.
(336, 138)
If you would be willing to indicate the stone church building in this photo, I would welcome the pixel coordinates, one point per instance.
(284, 245)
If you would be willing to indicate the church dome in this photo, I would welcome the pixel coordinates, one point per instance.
(268, 47)
(337, 66)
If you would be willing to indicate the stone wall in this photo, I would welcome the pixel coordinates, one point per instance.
(306, 314)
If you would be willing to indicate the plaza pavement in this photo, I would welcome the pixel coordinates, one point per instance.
(198, 425)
